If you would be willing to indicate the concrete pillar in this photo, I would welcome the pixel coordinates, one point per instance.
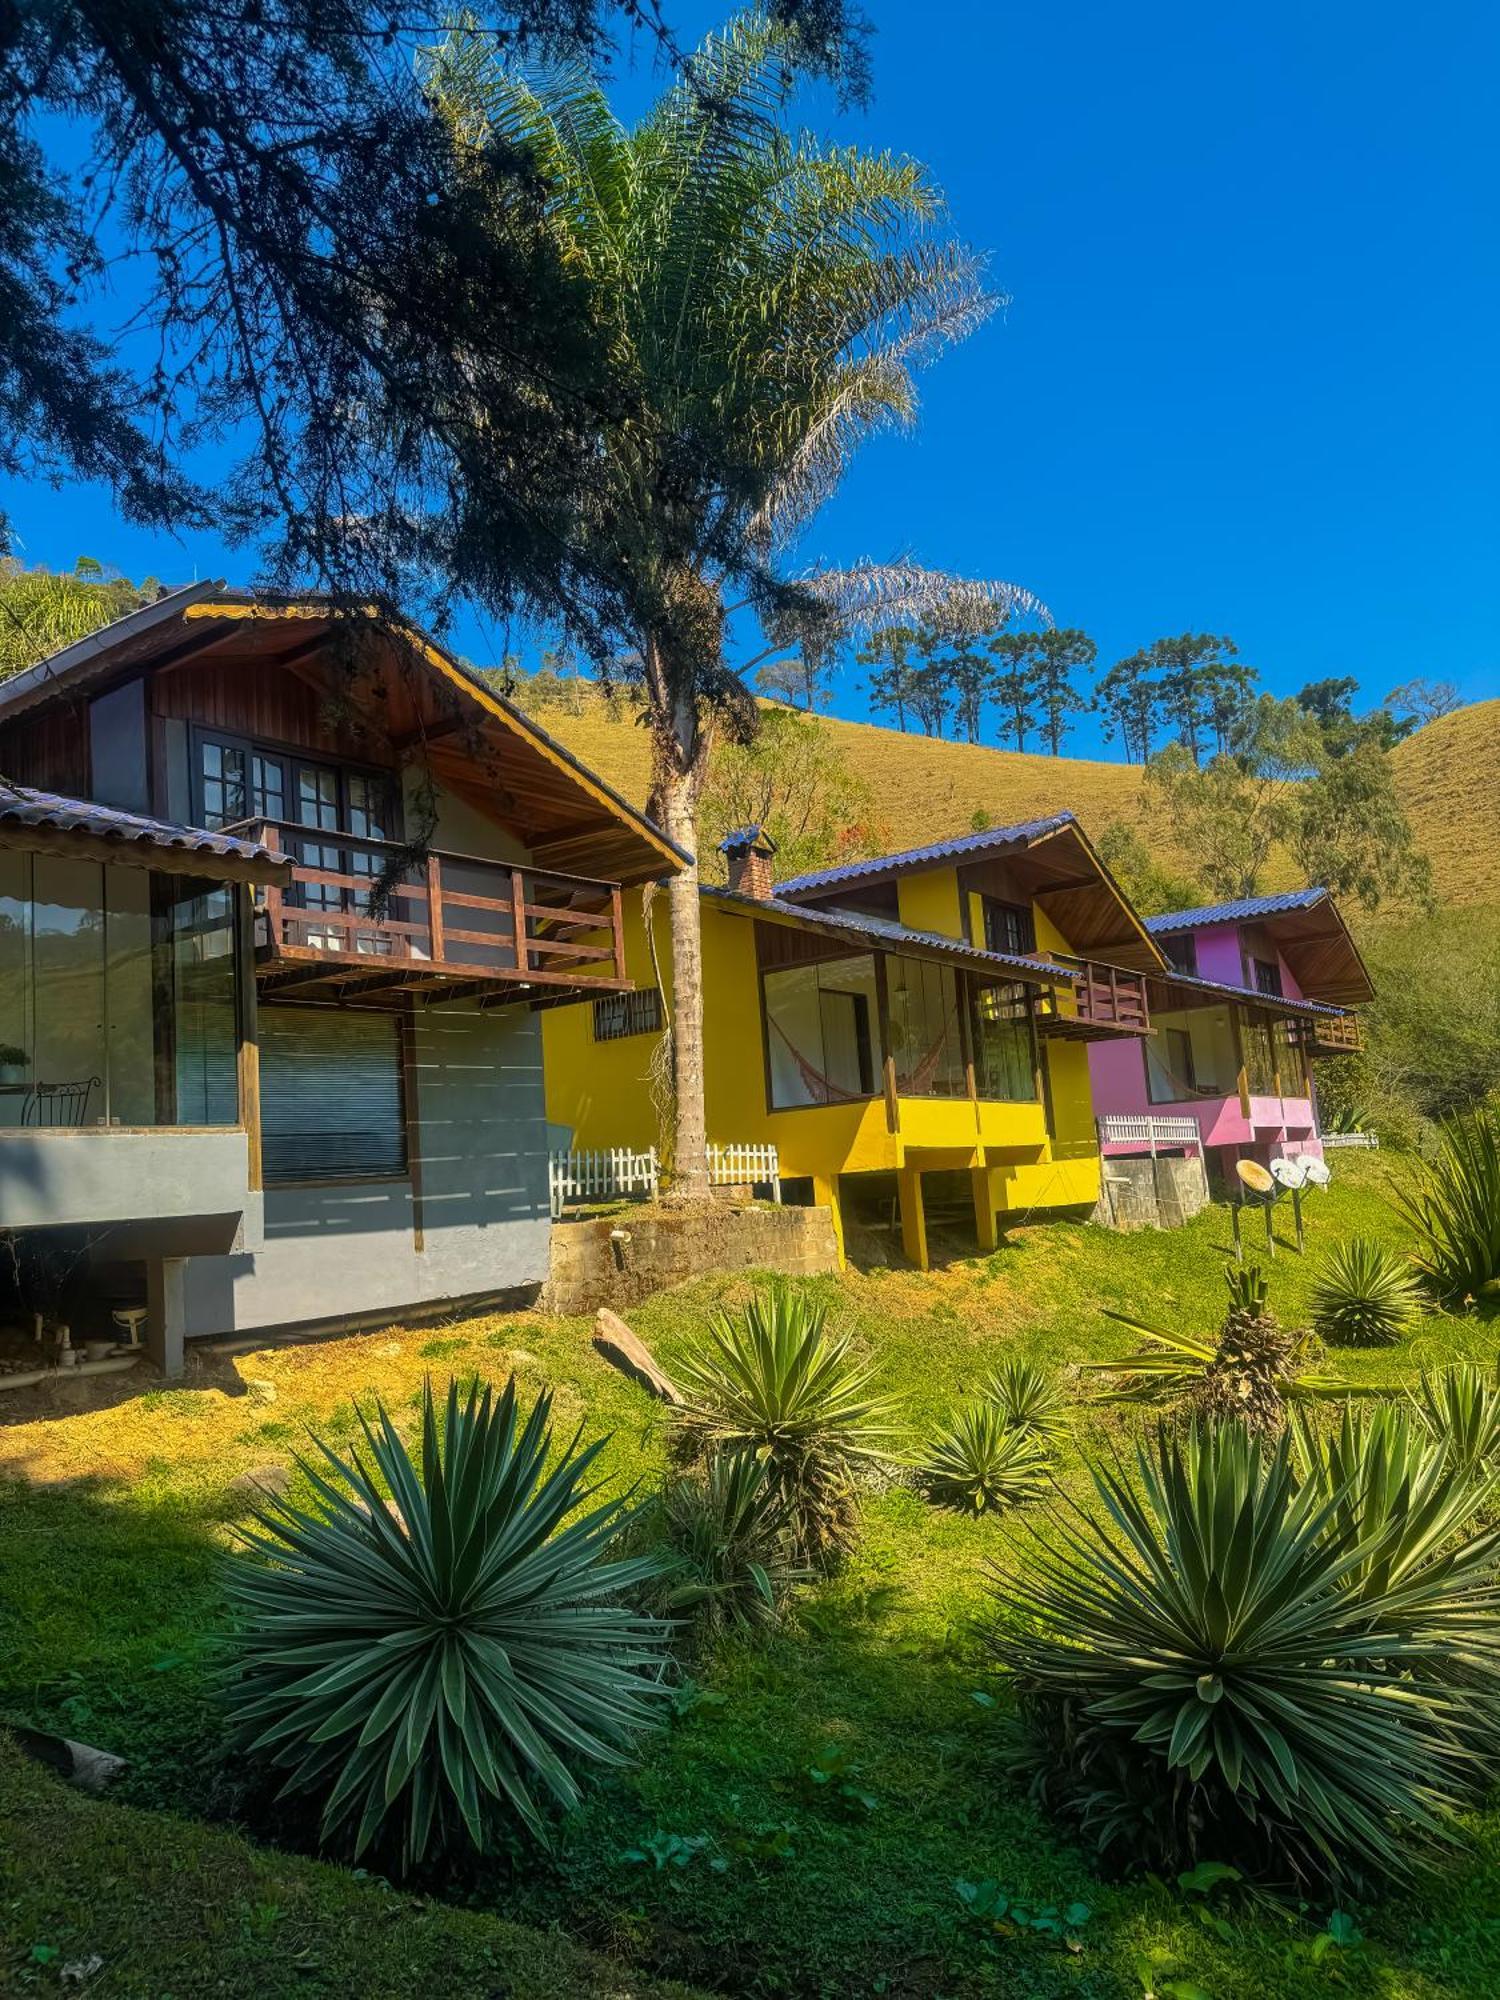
(166, 1318)
(826, 1195)
(913, 1216)
(985, 1230)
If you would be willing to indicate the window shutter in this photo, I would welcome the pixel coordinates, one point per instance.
(330, 1094)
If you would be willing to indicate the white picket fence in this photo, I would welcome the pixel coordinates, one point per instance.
(607, 1173)
(1370, 1139)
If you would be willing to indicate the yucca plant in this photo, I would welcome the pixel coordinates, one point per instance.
(1251, 1370)
(1455, 1208)
(433, 1666)
(1364, 1295)
(1225, 1658)
(774, 1381)
(1028, 1398)
(729, 1547)
(980, 1461)
(1459, 1408)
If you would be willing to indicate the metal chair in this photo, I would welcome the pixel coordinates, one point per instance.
(59, 1106)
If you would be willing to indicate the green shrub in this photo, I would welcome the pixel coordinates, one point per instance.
(1455, 1208)
(1227, 1660)
(1364, 1295)
(730, 1547)
(438, 1663)
(1459, 1408)
(1029, 1399)
(1252, 1369)
(982, 1461)
(775, 1382)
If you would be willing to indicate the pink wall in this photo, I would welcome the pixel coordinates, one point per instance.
(1117, 1075)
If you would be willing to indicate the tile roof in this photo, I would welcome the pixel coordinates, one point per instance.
(880, 930)
(993, 838)
(50, 811)
(1283, 1001)
(1237, 912)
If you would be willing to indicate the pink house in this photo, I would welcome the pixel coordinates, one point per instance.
(1258, 989)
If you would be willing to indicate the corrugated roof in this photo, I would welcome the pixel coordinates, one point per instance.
(1235, 913)
(993, 839)
(50, 811)
(1281, 1001)
(746, 836)
(895, 937)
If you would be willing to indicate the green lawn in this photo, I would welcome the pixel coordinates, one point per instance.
(755, 1880)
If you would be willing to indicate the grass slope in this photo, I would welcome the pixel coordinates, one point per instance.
(928, 790)
(114, 1512)
(168, 1908)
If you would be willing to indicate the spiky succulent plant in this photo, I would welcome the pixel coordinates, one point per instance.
(980, 1461)
(439, 1644)
(1364, 1294)
(1028, 1398)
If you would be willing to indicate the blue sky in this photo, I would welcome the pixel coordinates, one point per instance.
(1246, 381)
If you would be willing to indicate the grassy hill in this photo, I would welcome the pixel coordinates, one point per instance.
(926, 789)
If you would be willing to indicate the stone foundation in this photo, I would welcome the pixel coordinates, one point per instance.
(620, 1259)
(1141, 1193)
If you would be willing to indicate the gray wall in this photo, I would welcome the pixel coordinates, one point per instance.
(350, 1248)
(98, 1176)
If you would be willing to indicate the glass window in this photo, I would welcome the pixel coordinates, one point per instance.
(223, 781)
(1004, 1060)
(1190, 1055)
(117, 987)
(330, 1095)
(926, 1040)
(1260, 1055)
(1181, 952)
(1267, 976)
(1008, 927)
(820, 1030)
(618, 1015)
(267, 786)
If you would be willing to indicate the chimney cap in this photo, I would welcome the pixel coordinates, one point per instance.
(747, 840)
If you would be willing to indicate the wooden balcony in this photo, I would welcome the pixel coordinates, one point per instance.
(1099, 1003)
(361, 919)
(1328, 1034)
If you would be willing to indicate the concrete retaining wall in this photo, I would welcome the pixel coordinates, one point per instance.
(667, 1247)
(1151, 1194)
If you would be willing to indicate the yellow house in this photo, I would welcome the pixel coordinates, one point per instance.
(910, 1029)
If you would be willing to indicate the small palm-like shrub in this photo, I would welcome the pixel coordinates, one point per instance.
(775, 1382)
(430, 1666)
(981, 1461)
(730, 1547)
(1228, 1659)
(1459, 1408)
(1455, 1208)
(1251, 1370)
(1029, 1399)
(1364, 1295)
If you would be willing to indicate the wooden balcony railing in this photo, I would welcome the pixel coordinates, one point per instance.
(1100, 1001)
(358, 912)
(1328, 1034)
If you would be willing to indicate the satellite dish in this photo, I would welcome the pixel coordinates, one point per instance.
(1289, 1172)
(1318, 1172)
(1254, 1176)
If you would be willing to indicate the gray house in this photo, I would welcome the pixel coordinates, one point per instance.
(281, 896)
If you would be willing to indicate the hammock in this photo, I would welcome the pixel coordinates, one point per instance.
(823, 1090)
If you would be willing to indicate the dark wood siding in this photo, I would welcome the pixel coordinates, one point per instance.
(49, 751)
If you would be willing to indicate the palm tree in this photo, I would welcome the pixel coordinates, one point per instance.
(761, 302)
(43, 610)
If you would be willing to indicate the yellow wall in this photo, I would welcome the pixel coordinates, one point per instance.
(599, 1090)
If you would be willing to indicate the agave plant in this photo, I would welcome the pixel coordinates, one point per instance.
(1364, 1295)
(1459, 1408)
(981, 1461)
(1029, 1399)
(444, 1659)
(1455, 1208)
(775, 1382)
(1252, 1369)
(731, 1548)
(1223, 1653)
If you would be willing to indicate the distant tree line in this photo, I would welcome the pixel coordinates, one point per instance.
(955, 681)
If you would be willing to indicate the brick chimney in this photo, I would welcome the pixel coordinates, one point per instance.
(749, 851)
